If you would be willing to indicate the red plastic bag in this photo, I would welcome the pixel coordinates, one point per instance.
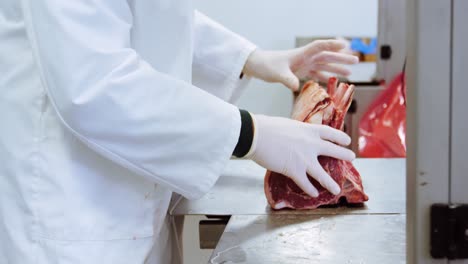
(382, 129)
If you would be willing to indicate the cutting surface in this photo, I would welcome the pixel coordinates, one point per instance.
(309, 239)
(239, 191)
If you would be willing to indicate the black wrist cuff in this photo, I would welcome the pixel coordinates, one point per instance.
(246, 135)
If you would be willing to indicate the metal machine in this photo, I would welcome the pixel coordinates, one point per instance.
(437, 223)
(421, 220)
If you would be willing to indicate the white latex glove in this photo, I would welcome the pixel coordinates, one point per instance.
(292, 148)
(308, 62)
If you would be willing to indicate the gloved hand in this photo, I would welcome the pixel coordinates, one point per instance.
(308, 62)
(292, 148)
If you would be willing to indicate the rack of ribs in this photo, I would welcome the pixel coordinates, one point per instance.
(316, 105)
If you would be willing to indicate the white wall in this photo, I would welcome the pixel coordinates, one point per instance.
(274, 24)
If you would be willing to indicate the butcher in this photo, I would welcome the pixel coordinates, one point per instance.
(111, 107)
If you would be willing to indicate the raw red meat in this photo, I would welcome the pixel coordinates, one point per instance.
(315, 105)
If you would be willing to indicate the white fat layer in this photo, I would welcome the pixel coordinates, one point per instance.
(327, 112)
(316, 119)
(280, 205)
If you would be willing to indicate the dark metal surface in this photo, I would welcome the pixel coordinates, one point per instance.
(449, 231)
(210, 232)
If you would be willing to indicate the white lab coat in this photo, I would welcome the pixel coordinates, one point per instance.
(101, 121)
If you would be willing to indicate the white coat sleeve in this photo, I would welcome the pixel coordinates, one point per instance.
(219, 57)
(165, 129)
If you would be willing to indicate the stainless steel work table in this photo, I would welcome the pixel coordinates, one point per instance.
(373, 233)
(239, 191)
(307, 239)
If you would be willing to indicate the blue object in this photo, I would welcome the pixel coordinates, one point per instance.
(358, 45)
